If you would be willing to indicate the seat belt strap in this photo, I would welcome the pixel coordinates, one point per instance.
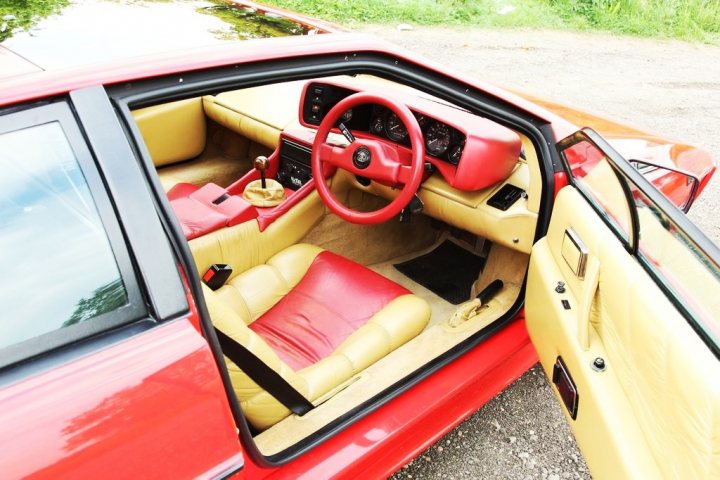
(260, 373)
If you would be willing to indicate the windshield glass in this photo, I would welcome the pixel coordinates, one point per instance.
(65, 33)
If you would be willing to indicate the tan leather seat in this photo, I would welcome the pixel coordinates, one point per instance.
(314, 317)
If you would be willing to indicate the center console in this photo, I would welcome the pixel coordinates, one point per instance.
(294, 170)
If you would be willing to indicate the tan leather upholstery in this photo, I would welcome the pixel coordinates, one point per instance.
(186, 149)
(173, 131)
(513, 228)
(653, 413)
(251, 294)
(217, 169)
(243, 246)
(258, 113)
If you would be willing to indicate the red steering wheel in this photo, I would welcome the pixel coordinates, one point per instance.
(373, 159)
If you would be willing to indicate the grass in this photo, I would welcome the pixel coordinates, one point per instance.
(697, 20)
(23, 14)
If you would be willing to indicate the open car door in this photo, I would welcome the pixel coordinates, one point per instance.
(623, 307)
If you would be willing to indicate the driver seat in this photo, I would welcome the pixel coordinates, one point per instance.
(314, 317)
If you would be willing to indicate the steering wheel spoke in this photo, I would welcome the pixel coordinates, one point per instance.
(333, 154)
(404, 174)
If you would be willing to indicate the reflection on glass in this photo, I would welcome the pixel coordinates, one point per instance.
(682, 266)
(57, 263)
(55, 33)
(596, 177)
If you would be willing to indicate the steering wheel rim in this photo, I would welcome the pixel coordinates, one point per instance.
(387, 166)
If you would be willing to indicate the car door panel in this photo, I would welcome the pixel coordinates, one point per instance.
(108, 380)
(651, 412)
(151, 406)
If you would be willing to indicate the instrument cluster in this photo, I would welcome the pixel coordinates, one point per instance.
(442, 141)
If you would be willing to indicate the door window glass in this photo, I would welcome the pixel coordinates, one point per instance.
(58, 266)
(597, 179)
(681, 265)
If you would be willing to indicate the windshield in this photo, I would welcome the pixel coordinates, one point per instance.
(67, 33)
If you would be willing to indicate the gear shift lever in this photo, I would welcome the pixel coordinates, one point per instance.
(266, 192)
(261, 164)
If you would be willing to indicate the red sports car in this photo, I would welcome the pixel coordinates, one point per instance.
(311, 256)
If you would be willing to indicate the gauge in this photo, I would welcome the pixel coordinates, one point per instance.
(437, 138)
(455, 154)
(421, 119)
(394, 128)
(347, 116)
(377, 126)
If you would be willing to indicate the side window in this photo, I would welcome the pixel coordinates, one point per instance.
(598, 181)
(631, 206)
(61, 273)
(679, 264)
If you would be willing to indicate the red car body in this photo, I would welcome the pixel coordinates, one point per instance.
(153, 404)
(82, 435)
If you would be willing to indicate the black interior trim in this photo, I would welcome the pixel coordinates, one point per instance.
(176, 87)
(145, 235)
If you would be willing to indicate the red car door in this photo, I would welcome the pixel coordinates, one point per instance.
(103, 371)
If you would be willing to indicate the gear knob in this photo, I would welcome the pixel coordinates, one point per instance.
(261, 164)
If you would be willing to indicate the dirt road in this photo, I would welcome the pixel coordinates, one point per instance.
(668, 87)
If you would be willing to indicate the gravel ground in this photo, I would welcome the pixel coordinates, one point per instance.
(668, 87)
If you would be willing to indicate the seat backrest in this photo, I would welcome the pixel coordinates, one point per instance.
(173, 132)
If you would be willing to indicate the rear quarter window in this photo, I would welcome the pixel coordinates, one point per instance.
(54, 249)
(66, 273)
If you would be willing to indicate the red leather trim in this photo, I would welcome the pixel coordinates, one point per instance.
(334, 298)
(180, 190)
(238, 210)
(266, 216)
(208, 193)
(197, 213)
(195, 218)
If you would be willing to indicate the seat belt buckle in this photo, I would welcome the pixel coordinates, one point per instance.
(217, 275)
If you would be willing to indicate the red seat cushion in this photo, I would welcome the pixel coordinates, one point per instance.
(335, 297)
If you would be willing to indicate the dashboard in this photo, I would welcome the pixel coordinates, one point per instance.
(469, 151)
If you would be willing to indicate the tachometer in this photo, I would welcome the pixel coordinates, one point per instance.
(394, 128)
(437, 138)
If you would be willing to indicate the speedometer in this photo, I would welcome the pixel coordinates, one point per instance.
(394, 128)
(437, 138)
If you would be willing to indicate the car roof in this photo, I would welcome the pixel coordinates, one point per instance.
(95, 31)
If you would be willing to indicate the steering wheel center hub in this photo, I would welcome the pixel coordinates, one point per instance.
(362, 158)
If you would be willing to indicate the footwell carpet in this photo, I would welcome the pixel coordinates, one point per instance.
(448, 271)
